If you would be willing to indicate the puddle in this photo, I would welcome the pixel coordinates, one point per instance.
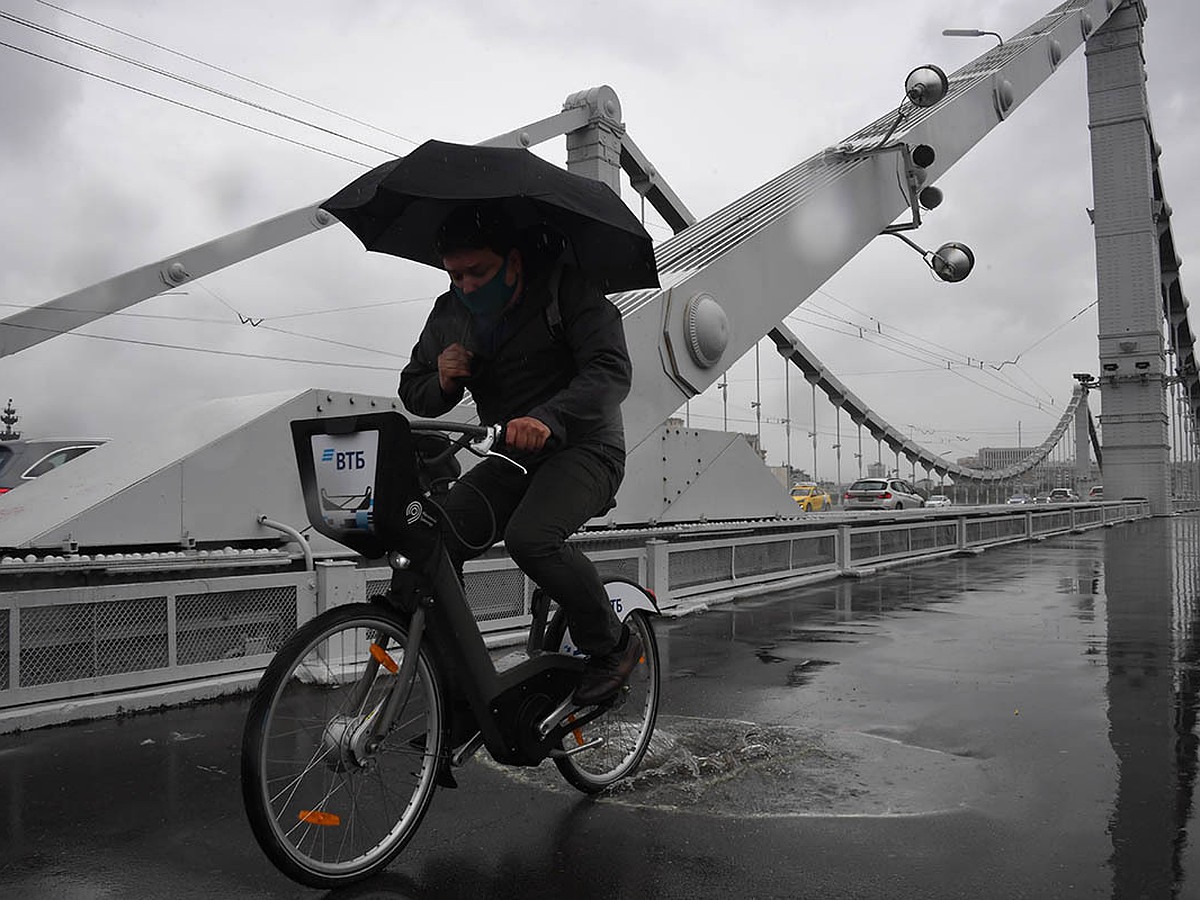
(725, 767)
(803, 672)
(823, 636)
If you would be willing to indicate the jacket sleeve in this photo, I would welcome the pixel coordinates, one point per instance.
(420, 390)
(594, 332)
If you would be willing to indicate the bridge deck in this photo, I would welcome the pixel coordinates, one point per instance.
(1019, 724)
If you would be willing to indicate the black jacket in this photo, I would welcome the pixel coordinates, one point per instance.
(573, 382)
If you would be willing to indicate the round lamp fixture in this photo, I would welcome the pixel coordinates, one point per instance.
(952, 262)
(930, 197)
(926, 85)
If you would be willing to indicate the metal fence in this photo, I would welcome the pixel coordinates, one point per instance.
(57, 644)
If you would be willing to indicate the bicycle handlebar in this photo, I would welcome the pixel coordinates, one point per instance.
(479, 439)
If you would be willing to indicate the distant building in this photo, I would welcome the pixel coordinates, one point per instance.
(1001, 457)
(876, 470)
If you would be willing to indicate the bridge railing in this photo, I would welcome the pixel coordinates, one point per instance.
(147, 643)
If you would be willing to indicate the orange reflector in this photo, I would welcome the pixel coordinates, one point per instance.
(384, 658)
(577, 732)
(316, 817)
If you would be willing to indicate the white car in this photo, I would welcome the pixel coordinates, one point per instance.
(938, 500)
(881, 493)
(1063, 495)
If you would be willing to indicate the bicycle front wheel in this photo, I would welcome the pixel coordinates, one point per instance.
(327, 803)
(611, 747)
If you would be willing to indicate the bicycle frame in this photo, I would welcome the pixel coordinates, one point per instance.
(520, 711)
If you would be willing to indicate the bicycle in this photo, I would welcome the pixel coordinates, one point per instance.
(369, 707)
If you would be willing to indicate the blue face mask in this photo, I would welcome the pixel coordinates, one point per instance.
(488, 299)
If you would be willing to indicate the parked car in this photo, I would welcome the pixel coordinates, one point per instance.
(1018, 499)
(1096, 492)
(1063, 495)
(881, 493)
(25, 460)
(936, 500)
(811, 497)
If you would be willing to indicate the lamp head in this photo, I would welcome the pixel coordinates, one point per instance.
(926, 85)
(951, 262)
(930, 197)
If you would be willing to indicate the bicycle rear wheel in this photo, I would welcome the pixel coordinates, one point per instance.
(325, 805)
(611, 746)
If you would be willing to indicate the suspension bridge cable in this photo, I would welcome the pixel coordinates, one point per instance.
(95, 48)
(229, 72)
(180, 103)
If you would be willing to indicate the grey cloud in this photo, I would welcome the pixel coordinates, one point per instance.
(35, 101)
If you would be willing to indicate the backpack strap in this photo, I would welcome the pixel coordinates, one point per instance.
(553, 314)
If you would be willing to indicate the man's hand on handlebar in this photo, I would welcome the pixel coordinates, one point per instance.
(526, 433)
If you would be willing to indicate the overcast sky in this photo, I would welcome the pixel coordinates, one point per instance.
(721, 96)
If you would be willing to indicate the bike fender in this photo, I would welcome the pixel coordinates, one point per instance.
(625, 596)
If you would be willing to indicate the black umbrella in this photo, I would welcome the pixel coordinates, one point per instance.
(397, 208)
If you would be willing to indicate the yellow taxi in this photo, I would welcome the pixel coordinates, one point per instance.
(811, 497)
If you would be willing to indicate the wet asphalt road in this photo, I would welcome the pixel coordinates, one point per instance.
(1021, 724)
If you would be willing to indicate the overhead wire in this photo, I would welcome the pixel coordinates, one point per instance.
(180, 103)
(128, 60)
(259, 323)
(232, 353)
(228, 72)
(959, 372)
(958, 358)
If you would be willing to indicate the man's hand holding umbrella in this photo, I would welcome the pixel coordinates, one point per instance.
(454, 367)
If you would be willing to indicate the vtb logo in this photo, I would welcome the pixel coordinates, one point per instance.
(350, 459)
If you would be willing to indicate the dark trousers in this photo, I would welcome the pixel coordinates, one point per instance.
(535, 514)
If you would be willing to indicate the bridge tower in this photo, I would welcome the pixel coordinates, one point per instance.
(1129, 282)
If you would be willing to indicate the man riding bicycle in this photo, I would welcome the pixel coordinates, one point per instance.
(542, 349)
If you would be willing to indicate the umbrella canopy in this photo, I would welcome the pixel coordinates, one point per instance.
(397, 208)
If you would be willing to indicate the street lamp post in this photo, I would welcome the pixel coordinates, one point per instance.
(972, 32)
(813, 434)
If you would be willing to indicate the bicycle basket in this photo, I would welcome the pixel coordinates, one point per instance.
(359, 478)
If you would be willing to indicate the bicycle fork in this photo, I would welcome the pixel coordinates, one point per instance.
(376, 724)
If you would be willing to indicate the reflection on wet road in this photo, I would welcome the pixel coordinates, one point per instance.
(1022, 724)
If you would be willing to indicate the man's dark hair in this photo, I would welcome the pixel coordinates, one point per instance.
(476, 226)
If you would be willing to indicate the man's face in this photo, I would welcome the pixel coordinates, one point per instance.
(468, 269)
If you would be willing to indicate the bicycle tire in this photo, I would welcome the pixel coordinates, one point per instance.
(323, 809)
(625, 729)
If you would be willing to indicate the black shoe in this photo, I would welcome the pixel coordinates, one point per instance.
(604, 675)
